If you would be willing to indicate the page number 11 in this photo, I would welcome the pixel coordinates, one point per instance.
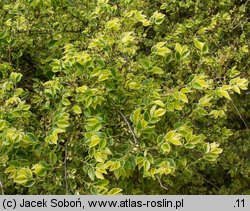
(240, 203)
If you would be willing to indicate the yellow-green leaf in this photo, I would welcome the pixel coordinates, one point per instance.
(183, 97)
(165, 147)
(100, 157)
(39, 170)
(157, 70)
(23, 176)
(175, 141)
(114, 191)
(198, 44)
(99, 174)
(159, 103)
(94, 141)
(159, 112)
(77, 109)
(91, 174)
(170, 135)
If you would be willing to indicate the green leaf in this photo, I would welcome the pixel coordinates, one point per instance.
(157, 71)
(152, 110)
(2, 124)
(189, 145)
(133, 85)
(214, 112)
(236, 88)
(183, 97)
(99, 174)
(206, 148)
(15, 77)
(113, 25)
(177, 56)
(198, 86)
(103, 77)
(210, 158)
(102, 143)
(3, 34)
(244, 49)
(158, 49)
(205, 101)
(173, 137)
(94, 141)
(91, 174)
(82, 89)
(135, 116)
(127, 38)
(223, 93)
(165, 147)
(242, 83)
(114, 191)
(175, 141)
(163, 51)
(202, 111)
(199, 44)
(62, 124)
(178, 48)
(30, 138)
(77, 109)
(159, 112)
(93, 121)
(226, 132)
(66, 102)
(159, 103)
(53, 158)
(12, 168)
(216, 151)
(39, 170)
(140, 162)
(23, 176)
(170, 135)
(157, 18)
(100, 157)
(232, 73)
(185, 90)
(115, 165)
(94, 190)
(146, 165)
(30, 183)
(145, 63)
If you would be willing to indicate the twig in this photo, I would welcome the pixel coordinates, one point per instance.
(65, 169)
(246, 2)
(1, 186)
(239, 114)
(130, 129)
(162, 186)
(47, 31)
(9, 54)
(206, 179)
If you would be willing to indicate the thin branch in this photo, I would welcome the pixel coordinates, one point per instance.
(129, 126)
(239, 114)
(162, 186)
(200, 175)
(246, 2)
(47, 31)
(9, 54)
(65, 168)
(1, 186)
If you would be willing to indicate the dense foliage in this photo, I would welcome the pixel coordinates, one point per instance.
(124, 96)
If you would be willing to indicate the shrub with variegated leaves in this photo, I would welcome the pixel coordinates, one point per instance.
(124, 96)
